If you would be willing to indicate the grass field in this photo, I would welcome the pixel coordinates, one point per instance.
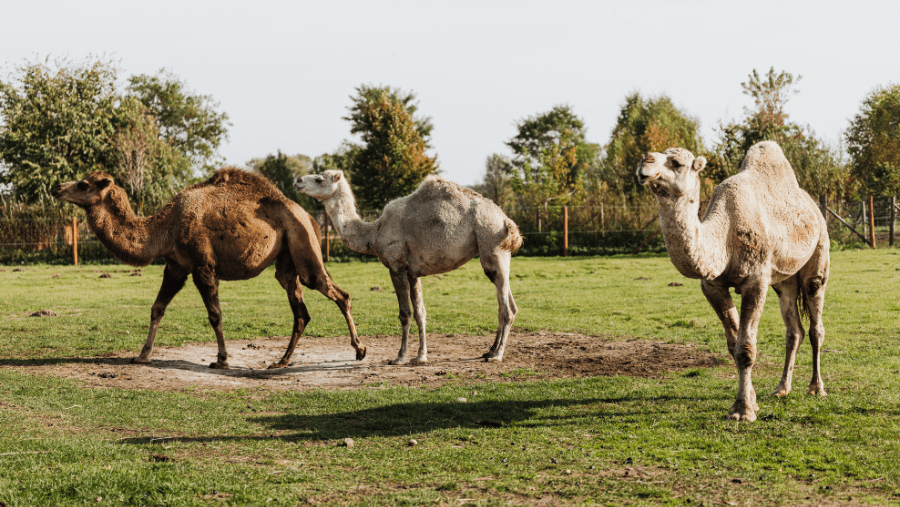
(602, 440)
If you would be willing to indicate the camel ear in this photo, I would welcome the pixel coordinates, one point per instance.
(699, 164)
(105, 182)
(337, 177)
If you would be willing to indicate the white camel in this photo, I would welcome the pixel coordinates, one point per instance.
(760, 229)
(436, 229)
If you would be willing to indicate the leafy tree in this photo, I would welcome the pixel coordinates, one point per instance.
(188, 121)
(391, 161)
(284, 171)
(645, 125)
(367, 94)
(496, 184)
(63, 119)
(817, 166)
(58, 119)
(558, 128)
(873, 141)
(552, 178)
(145, 162)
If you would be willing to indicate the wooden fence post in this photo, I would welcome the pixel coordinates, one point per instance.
(871, 222)
(565, 231)
(893, 217)
(74, 241)
(327, 242)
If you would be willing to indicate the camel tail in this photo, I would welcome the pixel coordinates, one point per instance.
(513, 240)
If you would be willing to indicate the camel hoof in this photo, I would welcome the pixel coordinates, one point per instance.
(138, 360)
(271, 366)
(399, 360)
(361, 353)
(781, 392)
(741, 412)
(219, 366)
(816, 391)
(492, 359)
(419, 361)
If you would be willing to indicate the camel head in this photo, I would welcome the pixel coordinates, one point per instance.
(321, 186)
(672, 173)
(87, 192)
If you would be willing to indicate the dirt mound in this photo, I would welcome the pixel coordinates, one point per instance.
(329, 362)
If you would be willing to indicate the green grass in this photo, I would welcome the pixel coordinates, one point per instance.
(605, 440)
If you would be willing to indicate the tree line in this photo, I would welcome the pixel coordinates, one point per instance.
(60, 119)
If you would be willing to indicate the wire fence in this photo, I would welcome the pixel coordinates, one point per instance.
(548, 231)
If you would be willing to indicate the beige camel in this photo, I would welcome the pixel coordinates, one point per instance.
(230, 227)
(760, 229)
(436, 229)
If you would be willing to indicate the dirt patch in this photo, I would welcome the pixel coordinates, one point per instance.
(329, 363)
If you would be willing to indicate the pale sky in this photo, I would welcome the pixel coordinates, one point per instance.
(284, 71)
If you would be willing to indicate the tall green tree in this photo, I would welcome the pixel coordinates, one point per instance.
(496, 183)
(367, 94)
(559, 129)
(645, 124)
(58, 119)
(284, 171)
(61, 119)
(188, 121)
(817, 165)
(873, 142)
(147, 164)
(391, 161)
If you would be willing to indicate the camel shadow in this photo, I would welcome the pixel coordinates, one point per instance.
(239, 371)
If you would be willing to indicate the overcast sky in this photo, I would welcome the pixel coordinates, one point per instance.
(284, 71)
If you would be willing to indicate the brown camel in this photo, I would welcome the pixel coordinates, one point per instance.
(230, 227)
(760, 229)
(436, 229)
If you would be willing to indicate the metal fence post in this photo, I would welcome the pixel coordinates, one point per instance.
(893, 217)
(565, 231)
(871, 221)
(74, 241)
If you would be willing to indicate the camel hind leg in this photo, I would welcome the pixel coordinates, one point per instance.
(287, 277)
(814, 288)
(788, 292)
(307, 256)
(496, 266)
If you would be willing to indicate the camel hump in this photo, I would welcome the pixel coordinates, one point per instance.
(767, 159)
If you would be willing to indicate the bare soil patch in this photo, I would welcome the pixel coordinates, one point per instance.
(328, 363)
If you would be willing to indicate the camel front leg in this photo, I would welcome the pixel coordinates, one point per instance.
(418, 305)
(788, 291)
(208, 285)
(753, 299)
(720, 300)
(172, 283)
(401, 287)
(498, 273)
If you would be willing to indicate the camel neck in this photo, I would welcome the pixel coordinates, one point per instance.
(341, 207)
(132, 239)
(692, 244)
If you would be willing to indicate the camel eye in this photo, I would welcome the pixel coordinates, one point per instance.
(82, 185)
(319, 179)
(676, 164)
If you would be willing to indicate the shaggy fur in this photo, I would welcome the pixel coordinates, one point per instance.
(760, 229)
(436, 229)
(229, 227)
